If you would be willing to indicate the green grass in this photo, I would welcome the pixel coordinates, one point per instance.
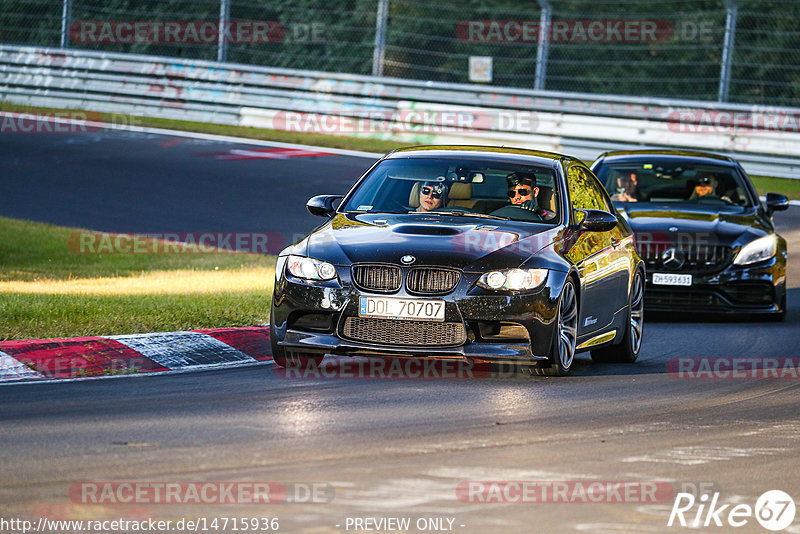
(46, 290)
(27, 316)
(785, 186)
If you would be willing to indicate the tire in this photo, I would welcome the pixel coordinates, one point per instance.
(283, 357)
(562, 352)
(628, 350)
(278, 354)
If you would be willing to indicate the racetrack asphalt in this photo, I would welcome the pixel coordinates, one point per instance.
(389, 448)
(137, 182)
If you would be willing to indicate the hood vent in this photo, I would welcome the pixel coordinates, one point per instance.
(425, 229)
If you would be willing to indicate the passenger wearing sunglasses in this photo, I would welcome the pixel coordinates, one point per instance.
(432, 195)
(522, 192)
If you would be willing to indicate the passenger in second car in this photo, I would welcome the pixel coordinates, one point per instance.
(627, 188)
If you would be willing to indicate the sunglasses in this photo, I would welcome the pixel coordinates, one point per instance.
(522, 191)
(428, 191)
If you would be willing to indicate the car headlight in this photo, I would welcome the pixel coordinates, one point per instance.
(761, 249)
(513, 279)
(279, 265)
(310, 269)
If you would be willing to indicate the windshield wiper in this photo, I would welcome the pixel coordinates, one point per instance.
(374, 212)
(463, 214)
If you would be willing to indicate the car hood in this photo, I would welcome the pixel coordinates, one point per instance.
(456, 241)
(716, 226)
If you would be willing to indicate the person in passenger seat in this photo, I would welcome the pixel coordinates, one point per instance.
(627, 189)
(431, 195)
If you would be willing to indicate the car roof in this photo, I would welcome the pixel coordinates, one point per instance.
(522, 155)
(686, 155)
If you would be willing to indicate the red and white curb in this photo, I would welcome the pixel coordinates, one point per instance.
(101, 356)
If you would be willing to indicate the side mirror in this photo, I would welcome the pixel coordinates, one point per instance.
(598, 221)
(776, 202)
(322, 205)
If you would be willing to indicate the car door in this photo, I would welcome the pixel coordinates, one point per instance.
(591, 252)
(620, 267)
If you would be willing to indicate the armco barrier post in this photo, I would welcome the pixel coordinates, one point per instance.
(543, 46)
(224, 18)
(66, 16)
(381, 18)
(727, 50)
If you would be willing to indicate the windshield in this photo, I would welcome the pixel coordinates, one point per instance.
(453, 186)
(664, 180)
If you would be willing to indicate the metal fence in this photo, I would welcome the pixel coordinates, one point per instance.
(767, 142)
(744, 51)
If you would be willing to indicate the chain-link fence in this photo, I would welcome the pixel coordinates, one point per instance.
(744, 51)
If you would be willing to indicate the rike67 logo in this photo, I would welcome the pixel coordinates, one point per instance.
(774, 510)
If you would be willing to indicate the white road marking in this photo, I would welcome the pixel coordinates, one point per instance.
(702, 455)
(177, 350)
(13, 369)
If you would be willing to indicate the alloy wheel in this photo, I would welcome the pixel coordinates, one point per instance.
(567, 326)
(637, 313)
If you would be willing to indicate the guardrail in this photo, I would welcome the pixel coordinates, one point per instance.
(765, 140)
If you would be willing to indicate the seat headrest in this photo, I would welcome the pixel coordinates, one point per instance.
(460, 191)
(413, 196)
(547, 198)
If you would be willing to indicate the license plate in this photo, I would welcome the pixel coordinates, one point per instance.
(394, 308)
(669, 279)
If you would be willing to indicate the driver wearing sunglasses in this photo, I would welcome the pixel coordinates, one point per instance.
(522, 192)
(431, 195)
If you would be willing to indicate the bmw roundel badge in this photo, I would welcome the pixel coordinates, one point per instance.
(408, 259)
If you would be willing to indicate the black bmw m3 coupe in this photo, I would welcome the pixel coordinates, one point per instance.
(491, 255)
(708, 241)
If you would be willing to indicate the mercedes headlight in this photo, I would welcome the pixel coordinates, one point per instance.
(310, 269)
(761, 249)
(513, 279)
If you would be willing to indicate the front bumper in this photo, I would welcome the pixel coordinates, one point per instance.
(753, 289)
(310, 316)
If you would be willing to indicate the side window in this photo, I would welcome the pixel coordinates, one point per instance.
(581, 190)
(600, 192)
